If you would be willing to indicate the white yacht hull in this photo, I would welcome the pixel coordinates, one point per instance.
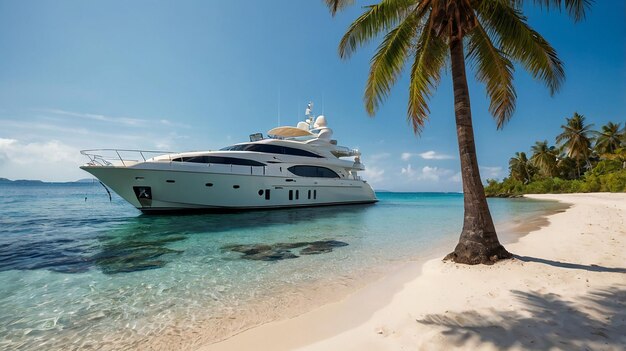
(153, 190)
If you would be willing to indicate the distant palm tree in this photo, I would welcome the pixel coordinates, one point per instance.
(617, 155)
(434, 33)
(544, 158)
(576, 139)
(566, 167)
(521, 168)
(609, 138)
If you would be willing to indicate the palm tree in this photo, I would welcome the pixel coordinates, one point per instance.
(608, 139)
(566, 167)
(576, 139)
(544, 158)
(521, 168)
(432, 33)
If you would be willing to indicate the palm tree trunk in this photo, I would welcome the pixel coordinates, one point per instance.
(478, 242)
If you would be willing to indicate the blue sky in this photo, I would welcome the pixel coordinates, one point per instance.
(196, 75)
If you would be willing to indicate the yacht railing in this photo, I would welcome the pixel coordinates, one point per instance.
(125, 157)
(108, 157)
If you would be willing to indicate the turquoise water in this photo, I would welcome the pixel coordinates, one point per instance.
(78, 271)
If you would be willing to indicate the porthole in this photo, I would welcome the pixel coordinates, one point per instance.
(208, 184)
(261, 192)
(235, 186)
(171, 181)
(290, 194)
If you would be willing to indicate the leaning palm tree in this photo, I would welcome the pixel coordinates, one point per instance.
(609, 138)
(521, 168)
(491, 34)
(576, 139)
(544, 158)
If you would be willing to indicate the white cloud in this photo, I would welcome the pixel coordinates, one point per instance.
(457, 178)
(374, 175)
(97, 117)
(428, 155)
(433, 155)
(408, 171)
(127, 121)
(50, 160)
(167, 122)
(491, 172)
(435, 173)
(427, 173)
(68, 132)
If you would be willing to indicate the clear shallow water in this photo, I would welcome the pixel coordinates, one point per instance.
(80, 272)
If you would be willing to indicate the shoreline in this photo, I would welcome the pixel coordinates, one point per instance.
(393, 273)
(365, 318)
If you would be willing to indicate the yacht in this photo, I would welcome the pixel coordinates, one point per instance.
(290, 167)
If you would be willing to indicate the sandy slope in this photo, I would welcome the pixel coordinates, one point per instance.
(566, 289)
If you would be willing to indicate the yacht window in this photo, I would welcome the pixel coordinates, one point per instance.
(271, 149)
(219, 160)
(313, 171)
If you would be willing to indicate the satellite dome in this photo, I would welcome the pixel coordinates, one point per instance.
(320, 122)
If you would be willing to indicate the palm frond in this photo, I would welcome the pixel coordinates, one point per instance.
(575, 8)
(495, 70)
(430, 55)
(518, 41)
(377, 19)
(337, 5)
(388, 62)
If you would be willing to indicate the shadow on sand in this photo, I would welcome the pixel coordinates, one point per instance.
(559, 264)
(547, 321)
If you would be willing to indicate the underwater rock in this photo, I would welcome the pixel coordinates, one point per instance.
(271, 255)
(319, 247)
(288, 246)
(281, 251)
(248, 249)
(126, 260)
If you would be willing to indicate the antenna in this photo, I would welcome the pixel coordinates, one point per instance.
(309, 114)
(278, 107)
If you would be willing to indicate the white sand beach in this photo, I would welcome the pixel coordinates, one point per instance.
(565, 289)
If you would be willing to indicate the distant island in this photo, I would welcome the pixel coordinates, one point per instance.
(41, 182)
(584, 160)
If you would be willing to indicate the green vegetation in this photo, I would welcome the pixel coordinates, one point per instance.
(584, 161)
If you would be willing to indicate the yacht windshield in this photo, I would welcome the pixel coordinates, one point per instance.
(271, 149)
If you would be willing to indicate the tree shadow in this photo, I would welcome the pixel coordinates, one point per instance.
(590, 268)
(546, 321)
